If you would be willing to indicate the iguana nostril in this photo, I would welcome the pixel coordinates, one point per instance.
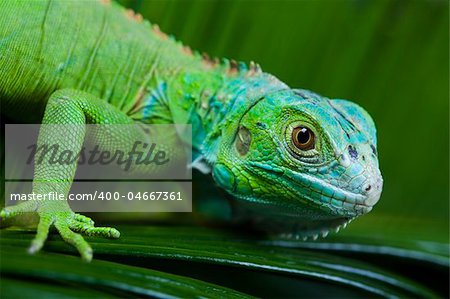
(367, 189)
(374, 150)
(352, 152)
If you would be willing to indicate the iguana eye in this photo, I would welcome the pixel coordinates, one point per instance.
(303, 138)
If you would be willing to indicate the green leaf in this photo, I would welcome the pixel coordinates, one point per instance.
(21, 288)
(107, 276)
(227, 248)
(421, 251)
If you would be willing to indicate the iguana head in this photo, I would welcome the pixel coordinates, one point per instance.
(302, 163)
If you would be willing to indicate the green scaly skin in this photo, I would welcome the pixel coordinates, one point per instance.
(72, 62)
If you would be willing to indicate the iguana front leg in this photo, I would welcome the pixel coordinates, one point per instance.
(74, 108)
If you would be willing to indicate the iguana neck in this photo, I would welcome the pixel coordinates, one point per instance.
(213, 100)
(186, 87)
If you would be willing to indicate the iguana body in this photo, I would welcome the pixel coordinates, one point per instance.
(74, 62)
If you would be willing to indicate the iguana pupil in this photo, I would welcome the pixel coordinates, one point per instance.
(303, 138)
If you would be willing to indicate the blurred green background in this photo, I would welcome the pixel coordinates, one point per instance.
(391, 57)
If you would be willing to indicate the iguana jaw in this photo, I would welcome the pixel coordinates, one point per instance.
(311, 207)
(309, 190)
(340, 201)
(321, 229)
(283, 223)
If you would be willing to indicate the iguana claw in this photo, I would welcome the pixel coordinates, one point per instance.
(68, 224)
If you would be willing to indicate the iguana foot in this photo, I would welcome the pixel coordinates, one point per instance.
(67, 223)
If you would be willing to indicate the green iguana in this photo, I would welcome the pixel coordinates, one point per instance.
(299, 163)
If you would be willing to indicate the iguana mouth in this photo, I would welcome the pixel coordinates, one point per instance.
(342, 201)
(324, 194)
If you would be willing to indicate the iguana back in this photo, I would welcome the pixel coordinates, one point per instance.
(97, 47)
